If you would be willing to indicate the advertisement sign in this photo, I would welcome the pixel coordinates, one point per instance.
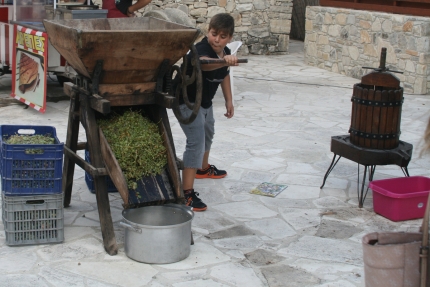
(29, 64)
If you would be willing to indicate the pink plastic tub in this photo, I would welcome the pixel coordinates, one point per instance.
(402, 198)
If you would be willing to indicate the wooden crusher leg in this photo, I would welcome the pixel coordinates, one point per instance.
(71, 143)
(93, 142)
(165, 118)
(160, 116)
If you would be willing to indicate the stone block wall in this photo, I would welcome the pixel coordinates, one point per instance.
(345, 40)
(263, 26)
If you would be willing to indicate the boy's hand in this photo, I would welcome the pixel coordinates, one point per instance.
(230, 110)
(230, 60)
(130, 13)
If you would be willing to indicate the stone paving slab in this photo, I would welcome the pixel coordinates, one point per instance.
(285, 115)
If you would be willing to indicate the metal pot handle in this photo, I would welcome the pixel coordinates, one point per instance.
(131, 227)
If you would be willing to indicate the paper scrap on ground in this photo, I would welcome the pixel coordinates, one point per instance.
(269, 189)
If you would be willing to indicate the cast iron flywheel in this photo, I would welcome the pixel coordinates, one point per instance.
(182, 81)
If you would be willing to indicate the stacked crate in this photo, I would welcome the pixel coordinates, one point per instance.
(31, 178)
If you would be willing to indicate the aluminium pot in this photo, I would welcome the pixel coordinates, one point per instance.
(157, 234)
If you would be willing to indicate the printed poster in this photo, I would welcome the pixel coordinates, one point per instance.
(268, 189)
(29, 64)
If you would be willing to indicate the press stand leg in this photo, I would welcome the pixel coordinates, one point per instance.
(405, 171)
(93, 142)
(330, 168)
(71, 143)
(361, 195)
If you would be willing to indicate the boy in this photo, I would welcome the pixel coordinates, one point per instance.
(123, 8)
(200, 132)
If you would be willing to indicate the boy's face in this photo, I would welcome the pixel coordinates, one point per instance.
(218, 40)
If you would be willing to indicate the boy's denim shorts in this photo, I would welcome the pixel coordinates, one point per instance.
(199, 135)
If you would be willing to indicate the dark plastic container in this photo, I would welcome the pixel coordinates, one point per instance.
(402, 198)
(90, 181)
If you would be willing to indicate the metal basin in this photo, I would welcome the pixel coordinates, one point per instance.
(157, 234)
(131, 49)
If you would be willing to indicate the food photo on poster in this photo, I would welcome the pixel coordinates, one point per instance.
(29, 73)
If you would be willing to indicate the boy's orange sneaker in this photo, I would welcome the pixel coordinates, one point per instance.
(210, 172)
(193, 201)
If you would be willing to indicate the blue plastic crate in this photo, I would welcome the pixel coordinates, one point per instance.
(90, 181)
(25, 172)
(1, 162)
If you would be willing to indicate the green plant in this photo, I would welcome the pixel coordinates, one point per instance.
(136, 143)
(30, 139)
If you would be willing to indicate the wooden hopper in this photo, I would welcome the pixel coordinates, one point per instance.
(132, 49)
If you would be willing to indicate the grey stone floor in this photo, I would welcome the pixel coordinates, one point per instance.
(286, 113)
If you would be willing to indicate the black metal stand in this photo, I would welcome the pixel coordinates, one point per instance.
(370, 158)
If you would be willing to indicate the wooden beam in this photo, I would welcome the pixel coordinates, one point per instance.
(130, 100)
(71, 146)
(81, 145)
(123, 95)
(126, 89)
(171, 164)
(89, 123)
(83, 164)
(113, 168)
(100, 104)
(68, 89)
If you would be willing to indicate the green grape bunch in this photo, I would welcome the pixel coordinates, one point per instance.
(136, 143)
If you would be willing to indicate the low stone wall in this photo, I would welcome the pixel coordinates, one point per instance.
(345, 40)
(263, 26)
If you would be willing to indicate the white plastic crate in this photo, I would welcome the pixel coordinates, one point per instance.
(37, 219)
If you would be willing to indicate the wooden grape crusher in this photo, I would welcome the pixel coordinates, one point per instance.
(127, 62)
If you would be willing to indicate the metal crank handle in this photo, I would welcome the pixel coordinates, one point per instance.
(220, 61)
(381, 70)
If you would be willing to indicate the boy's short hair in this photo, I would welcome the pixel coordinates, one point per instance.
(222, 22)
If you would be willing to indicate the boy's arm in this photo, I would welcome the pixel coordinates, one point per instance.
(226, 90)
(229, 61)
